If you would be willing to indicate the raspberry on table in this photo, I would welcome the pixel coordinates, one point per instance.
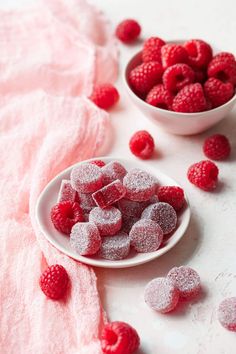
(152, 49)
(65, 214)
(177, 76)
(66, 192)
(85, 238)
(113, 171)
(172, 195)
(227, 313)
(142, 144)
(218, 92)
(54, 281)
(140, 185)
(217, 147)
(98, 163)
(86, 178)
(186, 280)
(199, 53)
(116, 247)
(160, 97)
(119, 338)
(108, 221)
(204, 175)
(128, 31)
(105, 96)
(223, 69)
(109, 194)
(172, 54)
(190, 99)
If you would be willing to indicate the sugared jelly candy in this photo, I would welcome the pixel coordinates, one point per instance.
(85, 238)
(132, 208)
(113, 171)
(66, 192)
(163, 214)
(186, 280)
(108, 220)
(227, 313)
(140, 185)
(128, 222)
(109, 194)
(86, 202)
(116, 247)
(86, 178)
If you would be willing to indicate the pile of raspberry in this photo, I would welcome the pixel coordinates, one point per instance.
(107, 210)
(184, 77)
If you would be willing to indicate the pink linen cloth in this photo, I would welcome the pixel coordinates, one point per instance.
(47, 58)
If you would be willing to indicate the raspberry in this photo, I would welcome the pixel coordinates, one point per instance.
(119, 338)
(222, 68)
(160, 97)
(99, 163)
(200, 75)
(217, 147)
(199, 53)
(172, 54)
(142, 144)
(177, 76)
(204, 175)
(145, 76)
(172, 195)
(190, 99)
(128, 31)
(152, 49)
(53, 282)
(229, 57)
(218, 92)
(105, 96)
(65, 214)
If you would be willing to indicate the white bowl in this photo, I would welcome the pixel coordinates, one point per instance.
(175, 122)
(48, 198)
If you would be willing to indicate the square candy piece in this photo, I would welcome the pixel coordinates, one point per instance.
(109, 194)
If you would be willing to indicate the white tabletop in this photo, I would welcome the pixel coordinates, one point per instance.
(209, 244)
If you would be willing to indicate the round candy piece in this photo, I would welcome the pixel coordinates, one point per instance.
(146, 236)
(227, 313)
(116, 247)
(108, 220)
(163, 214)
(140, 185)
(66, 192)
(86, 178)
(186, 280)
(113, 171)
(86, 202)
(161, 295)
(132, 208)
(85, 238)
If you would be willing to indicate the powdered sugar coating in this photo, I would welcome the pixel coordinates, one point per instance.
(66, 192)
(132, 208)
(116, 247)
(162, 213)
(146, 236)
(161, 295)
(109, 194)
(85, 238)
(108, 220)
(140, 185)
(128, 222)
(86, 178)
(186, 280)
(227, 313)
(86, 201)
(113, 171)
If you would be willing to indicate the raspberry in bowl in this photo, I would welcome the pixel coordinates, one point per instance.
(185, 87)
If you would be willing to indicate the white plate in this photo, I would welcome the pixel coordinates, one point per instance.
(48, 198)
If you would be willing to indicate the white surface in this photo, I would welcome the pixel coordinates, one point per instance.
(209, 244)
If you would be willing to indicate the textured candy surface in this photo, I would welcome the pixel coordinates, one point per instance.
(85, 238)
(128, 222)
(116, 247)
(109, 194)
(86, 201)
(113, 171)
(86, 178)
(140, 185)
(146, 236)
(227, 313)
(163, 214)
(186, 280)
(161, 295)
(66, 192)
(132, 208)
(108, 220)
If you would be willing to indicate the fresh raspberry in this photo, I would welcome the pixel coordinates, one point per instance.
(222, 68)
(199, 53)
(172, 54)
(172, 195)
(142, 144)
(65, 214)
(160, 97)
(190, 99)
(152, 49)
(53, 282)
(99, 163)
(217, 147)
(177, 76)
(226, 56)
(119, 338)
(218, 92)
(128, 31)
(145, 76)
(200, 75)
(204, 175)
(105, 96)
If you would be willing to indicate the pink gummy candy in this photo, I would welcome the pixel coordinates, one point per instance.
(113, 171)
(128, 222)
(161, 295)
(85, 238)
(140, 185)
(66, 192)
(116, 247)
(86, 178)
(109, 194)
(162, 213)
(186, 280)
(132, 208)
(86, 201)
(108, 220)
(227, 313)
(146, 236)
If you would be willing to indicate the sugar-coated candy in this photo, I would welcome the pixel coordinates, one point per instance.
(140, 185)
(86, 201)
(113, 171)
(116, 247)
(108, 220)
(66, 192)
(186, 280)
(161, 295)
(227, 313)
(109, 194)
(85, 238)
(86, 178)
(132, 208)
(163, 214)
(128, 222)
(146, 236)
